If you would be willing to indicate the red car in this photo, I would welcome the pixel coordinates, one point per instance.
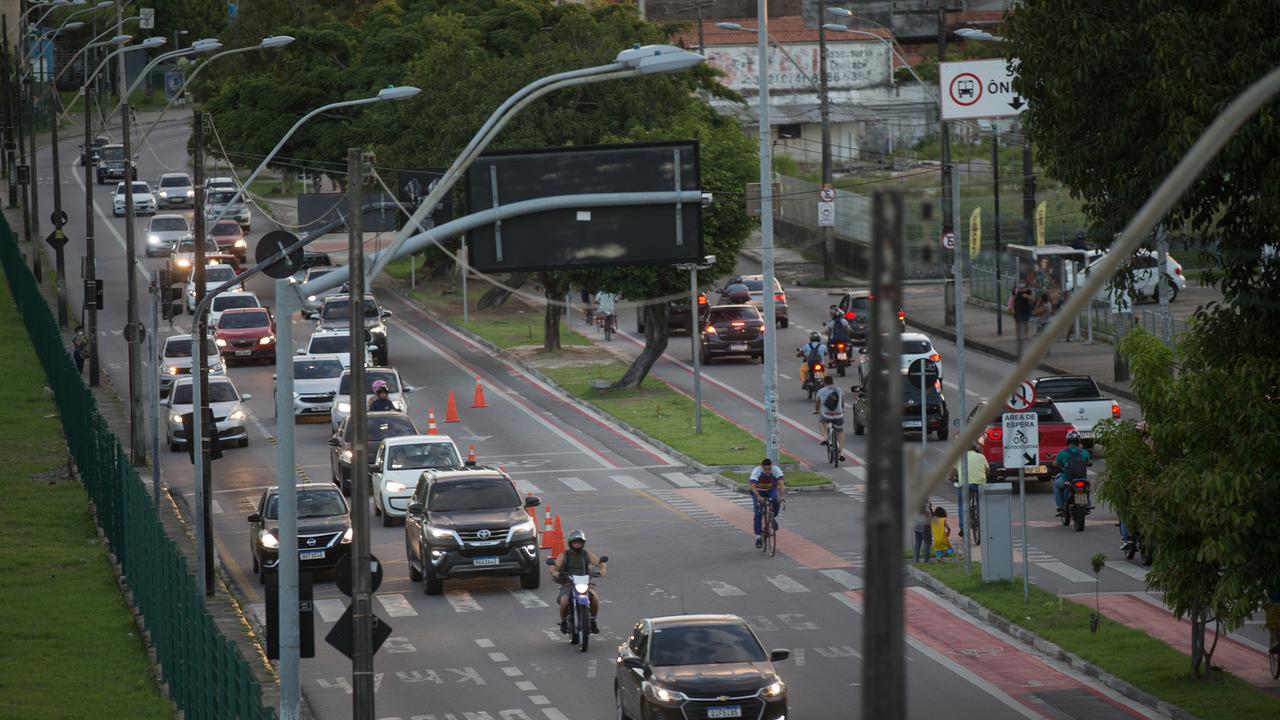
(246, 334)
(230, 238)
(1053, 440)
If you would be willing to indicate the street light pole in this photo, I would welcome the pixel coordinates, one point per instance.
(770, 379)
(828, 231)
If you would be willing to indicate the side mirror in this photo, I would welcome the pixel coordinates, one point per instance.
(334, 441)
(386, 313)
(862, 350)
(415, 508)
(633, 662)
(779, 654)
(551, 562)
(301, 351)
(532, 501)
(604, 558)
(374, 466)
(246, 396)
(254, 518)
(855, 389)
(408, 389)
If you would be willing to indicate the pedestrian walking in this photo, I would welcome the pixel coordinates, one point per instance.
(79, 348)
(1022, 307)
(922, 535)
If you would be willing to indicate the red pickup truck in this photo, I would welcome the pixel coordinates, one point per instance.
(1053, 439)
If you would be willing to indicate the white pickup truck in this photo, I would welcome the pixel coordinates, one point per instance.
(1079, 402)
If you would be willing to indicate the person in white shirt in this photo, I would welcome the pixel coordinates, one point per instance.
(829, 406)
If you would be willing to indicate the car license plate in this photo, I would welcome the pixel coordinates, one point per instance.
(739, 347)
(725, 711)
(1086, 434)
(243, 353)
(322, 407)
(310, 554)
(1082, 498)
(842, 356)
(483, 561)
(1037, 470)
(911, 423)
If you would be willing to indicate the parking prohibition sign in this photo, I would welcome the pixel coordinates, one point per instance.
(1022, 398)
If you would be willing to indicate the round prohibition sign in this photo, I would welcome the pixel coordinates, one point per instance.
(966, 89)
(1022, 398)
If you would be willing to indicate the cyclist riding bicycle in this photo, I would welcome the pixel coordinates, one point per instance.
(978, 467)
(605, 303)
(767, 483)
(829, 406)
(811, 353)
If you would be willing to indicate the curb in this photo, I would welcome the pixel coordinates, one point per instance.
(712, 470)
(1005, 355)
(1030, 639)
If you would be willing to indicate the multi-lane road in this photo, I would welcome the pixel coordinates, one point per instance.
(677, 543)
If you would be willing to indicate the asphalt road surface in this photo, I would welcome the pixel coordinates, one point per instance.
(487, 650)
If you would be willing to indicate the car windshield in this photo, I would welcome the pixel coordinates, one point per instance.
(754, 286)
(138, 187)
(112, 152)
(370, 376)
(472, 494)
(220, 274)
(915, 347)
(189, 246)
(179, 181)
(705, 645)
(316, 369)
(225, 228)
(385, 426)
(422, 456)
(233, 321)
(169, 223)
(314, 273)
(340, 309)
(218, 392)
(221, 197)
(330, 344)
(1068, 389)
(181, 348)
(735, 313)
(311, 504)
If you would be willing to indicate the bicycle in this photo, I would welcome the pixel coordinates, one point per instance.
(975, 529)
(833, 448)
(769, 530)
(608, 327)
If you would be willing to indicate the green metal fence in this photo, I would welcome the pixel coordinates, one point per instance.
(206, 674)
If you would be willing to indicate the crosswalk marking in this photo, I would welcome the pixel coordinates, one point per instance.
(628, 482)
(679, 479)
(1133, 571)
(525, 487)
(786, 584)
(330, 610)
(528, 599)
(1066, 571)
(844, 578)
(397, 605)
(576, 484)
(723, 589)
(462, 601)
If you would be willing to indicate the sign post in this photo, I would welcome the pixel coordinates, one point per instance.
(1021, 435)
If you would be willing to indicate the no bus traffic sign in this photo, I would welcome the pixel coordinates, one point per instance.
(978, 89)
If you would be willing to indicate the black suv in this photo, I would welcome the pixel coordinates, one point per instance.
(936, 416)
(381, 425)
(335, 314)
(470, 521)
(856, 306)
(111, 165)
(324, 529)
(733, 330)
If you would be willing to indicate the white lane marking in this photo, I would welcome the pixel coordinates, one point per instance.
(330, 610)
(511, 397)
(539, 700)
(679, 479)
(554, 714)
(462, 601)
(967, 391)
(528, 599)
(397, 605)
(525, 686)
(525, 487)
(784, 377)
(786, 584)
(797, 657)
(498, 657)
(723, 589)
(844, 578)
(484, 642)
(214, 507)
(592, 667)
(1133, 571)
(951, 665)
(576, 484)
(1066, 571)
(512, 671)
(628, 482)
(140, 260)
(858, 471)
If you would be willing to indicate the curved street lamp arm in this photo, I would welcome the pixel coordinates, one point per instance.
(183, 89)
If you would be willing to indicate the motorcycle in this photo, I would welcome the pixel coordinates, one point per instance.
(1139, 545)
(839, 351)
(813, 383)
(1077, 504)
(579, 616)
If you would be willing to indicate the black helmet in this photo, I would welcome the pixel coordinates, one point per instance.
(815, 337)
(576, 536)
(1073, 438)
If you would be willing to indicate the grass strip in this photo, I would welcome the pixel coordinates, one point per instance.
(667, 416)
(1129, 654)
(71, 649)
(513, 324)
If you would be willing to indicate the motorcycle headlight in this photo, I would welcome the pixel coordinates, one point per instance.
(348, 535)
(344, 407)
(269, 541)
(267, 340)
(581, 588)
(657, 693)
(773, 690)
(393, 486)
(237, 415)
(525, 527)
(436, 533)
(220, 342)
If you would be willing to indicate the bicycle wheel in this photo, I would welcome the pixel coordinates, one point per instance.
(975, 529)
(771, 540)
(1273, 654)
(608, 328)
(833, 452)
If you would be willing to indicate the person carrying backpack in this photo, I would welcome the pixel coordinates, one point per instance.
(811, 353)
(829, 406)
(1073, 463)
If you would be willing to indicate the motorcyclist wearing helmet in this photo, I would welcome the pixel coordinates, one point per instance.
(381, 399)
(576, 560)
(810, 353)
(1071, 463)
(837, 327)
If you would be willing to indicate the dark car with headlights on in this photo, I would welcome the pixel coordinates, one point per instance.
(335, 314)
(683, 667)
(732, 330)
(381, 425)
(856, 306)
(324, 529)
(468, 522)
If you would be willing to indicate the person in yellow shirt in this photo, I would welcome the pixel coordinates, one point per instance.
(941, 533)
(978, 469)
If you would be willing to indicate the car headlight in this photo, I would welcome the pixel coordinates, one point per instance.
(269, 541)
(176, 418)
(346, 454)
(524, 527)
(657, 693)
(220, 342)
(344, 407)
(164, 193)
(241, 243)
(215, 368)
(267, 340)
(393, 486)
(311, 298)
(153, 239)
(183, 263)
(191, 292)
(171, 370)
(773, 690)
(237, 415)
(348, 535)
(191, 193)
(436, 533)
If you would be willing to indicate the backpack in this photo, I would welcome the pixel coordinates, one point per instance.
(832, 401)
(1077, 466)
(812, 355)
(839, 329)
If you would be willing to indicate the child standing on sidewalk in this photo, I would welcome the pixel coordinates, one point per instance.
(941, 534)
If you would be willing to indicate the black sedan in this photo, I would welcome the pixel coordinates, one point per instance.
(381, 425)
(697, 666)
(732, 330)
(324, 529)
(856, 306)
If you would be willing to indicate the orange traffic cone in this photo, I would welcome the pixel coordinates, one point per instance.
(431, 422)
(451, 410)
(471, 455)
(548, 528)
(557, 544)
(479, 400)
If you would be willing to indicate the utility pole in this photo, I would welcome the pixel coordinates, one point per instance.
(958, 272)
(361, 583)
(200, 366)
(995, 186)
(133, 332)
(10, 140)
(770, 380)
(883, 681)
(944, 133)
(59, 262)
(35, 175)
(1028, 192)
(90, 270)
(1162, 284)
(828, 231)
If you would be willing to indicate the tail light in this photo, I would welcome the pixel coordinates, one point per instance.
(1115, 411)
(711, 329)
(817, 368)
(702, 299)
(780, 297)
(937, 385)
(851, 315)
(1079, 484)
(902, 315)
(935, 357)
(839, 346)
(994, 434)
(1177, 269)
(737, 324)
